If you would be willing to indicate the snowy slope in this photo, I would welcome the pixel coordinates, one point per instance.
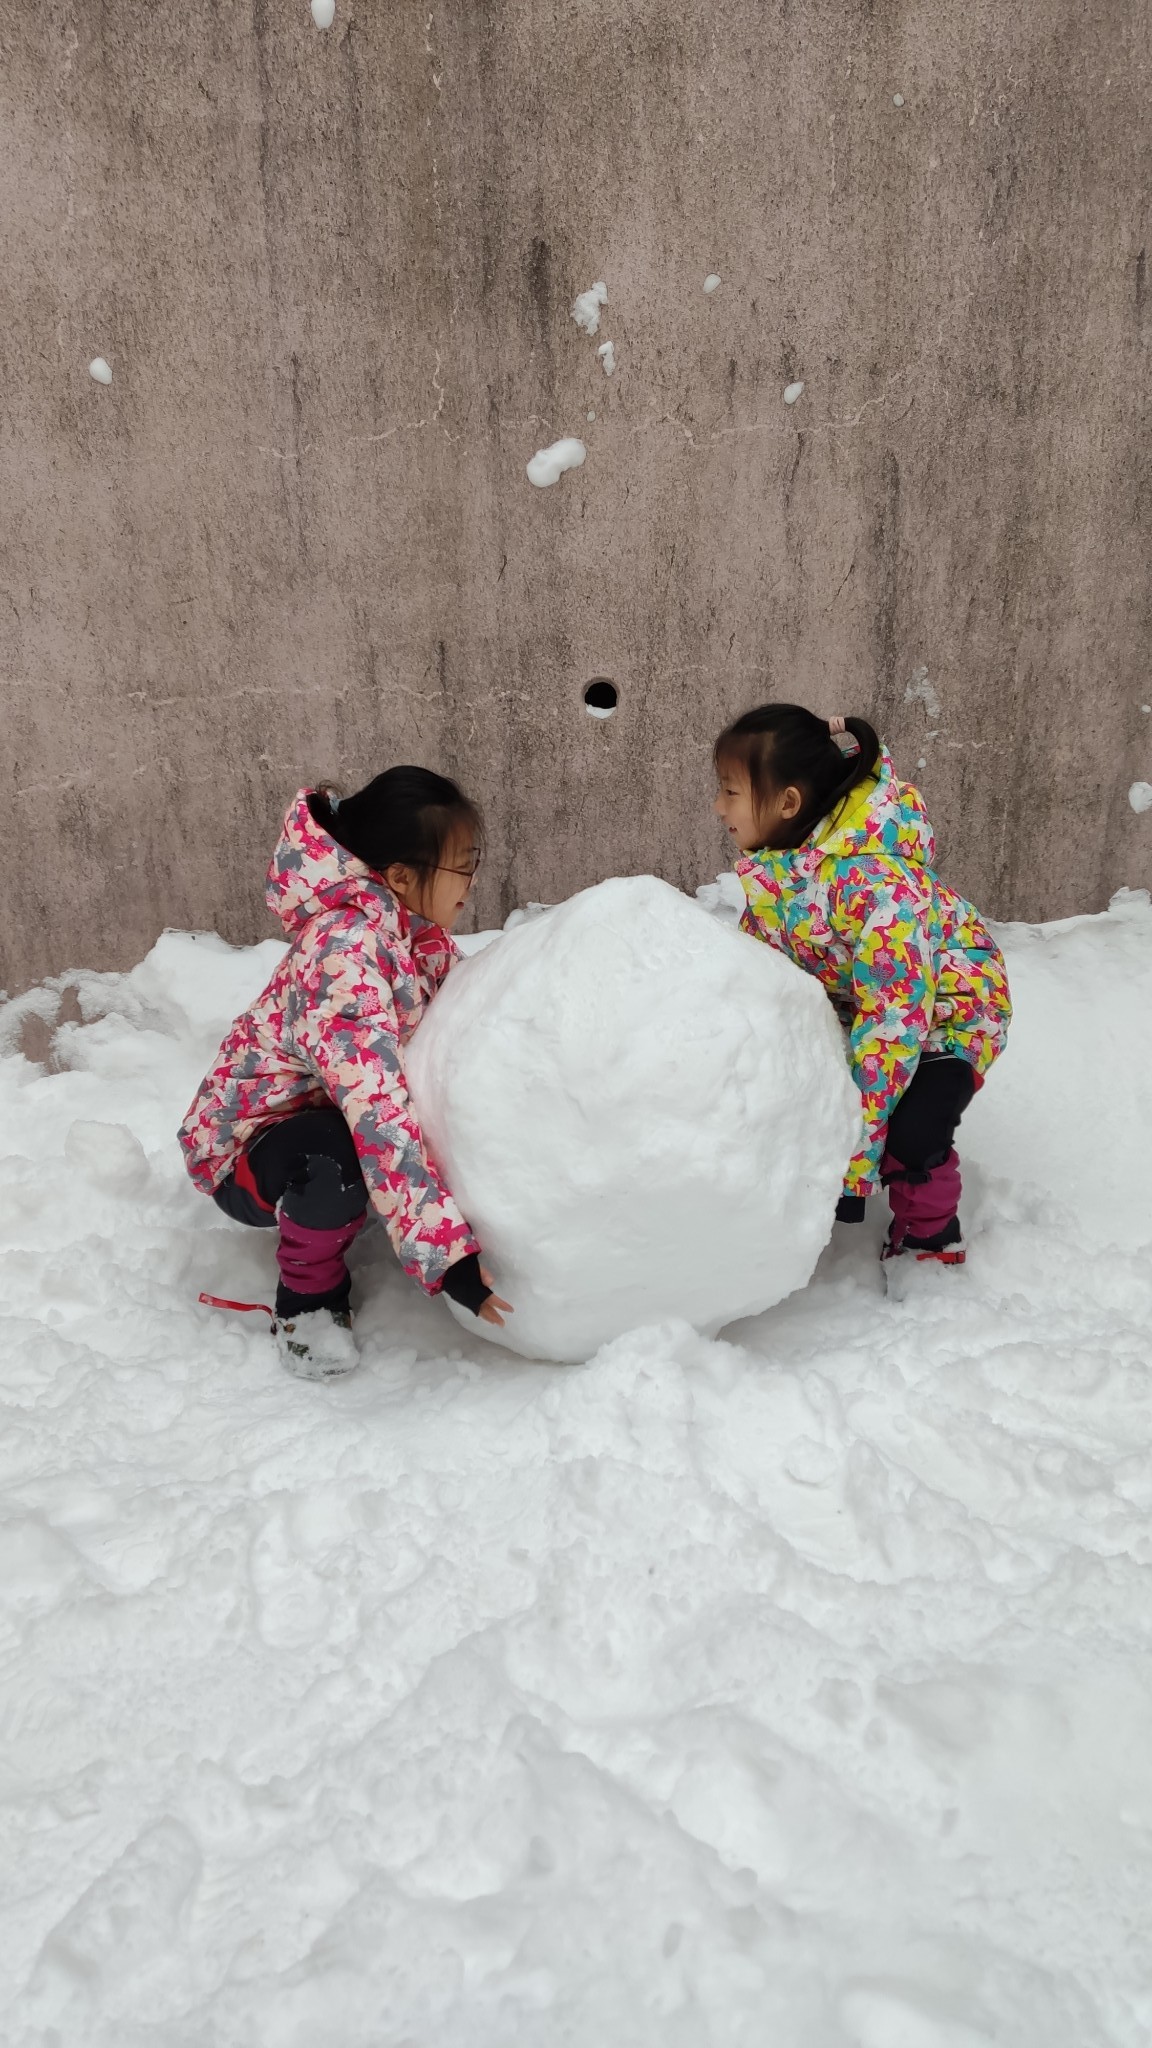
(793, 1689)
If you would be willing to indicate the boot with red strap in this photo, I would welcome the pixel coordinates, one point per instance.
(314, 1344)
(925, 1224)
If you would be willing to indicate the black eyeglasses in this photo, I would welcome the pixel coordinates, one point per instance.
(469, 873)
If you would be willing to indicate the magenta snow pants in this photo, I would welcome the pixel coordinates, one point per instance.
(920, 1171)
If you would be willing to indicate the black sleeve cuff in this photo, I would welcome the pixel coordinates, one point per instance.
(851, 1208)
(462, 1281)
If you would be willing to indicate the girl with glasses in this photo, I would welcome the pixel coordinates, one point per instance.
(304, 1120)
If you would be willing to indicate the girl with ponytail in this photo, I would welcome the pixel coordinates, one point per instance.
(836, 860)
(303, 1123)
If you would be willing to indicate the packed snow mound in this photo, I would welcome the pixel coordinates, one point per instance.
(642, 1113)
(791, 1687)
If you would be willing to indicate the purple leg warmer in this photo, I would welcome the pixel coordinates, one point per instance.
(312, 1261)
(921, 1208)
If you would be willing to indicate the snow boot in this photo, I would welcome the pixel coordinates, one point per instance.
(924, 1202)
(315, 1341)
(905, 1257)
(317, 1344)
(945, 1247)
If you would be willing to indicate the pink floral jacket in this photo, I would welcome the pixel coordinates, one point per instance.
(330, 1027)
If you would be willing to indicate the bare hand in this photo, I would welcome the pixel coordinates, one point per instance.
(490, 1313)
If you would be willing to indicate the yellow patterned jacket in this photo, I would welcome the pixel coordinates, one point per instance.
(909, 965)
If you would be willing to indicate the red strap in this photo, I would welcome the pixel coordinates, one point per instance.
(217, 1301)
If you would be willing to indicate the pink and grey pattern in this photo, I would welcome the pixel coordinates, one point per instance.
(907, 962)
(330, 1027)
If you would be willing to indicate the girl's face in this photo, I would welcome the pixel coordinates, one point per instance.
(440, 896)
(753, 824)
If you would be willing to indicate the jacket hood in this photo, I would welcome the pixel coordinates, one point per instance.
(310, 874)
(882, 815)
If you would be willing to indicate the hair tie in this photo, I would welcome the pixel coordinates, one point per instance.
(846, 741)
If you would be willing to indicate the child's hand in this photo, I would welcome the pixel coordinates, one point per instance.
(490, 1313)
(470, 1286)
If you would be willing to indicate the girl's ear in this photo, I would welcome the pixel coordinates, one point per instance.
(401, 880)
(791, 803)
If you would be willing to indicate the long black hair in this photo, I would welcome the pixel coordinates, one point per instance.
(778, 745)
(405, 815)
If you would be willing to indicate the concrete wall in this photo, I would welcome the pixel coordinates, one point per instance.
(333, 273)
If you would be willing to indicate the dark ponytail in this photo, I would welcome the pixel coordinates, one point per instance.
(782, 744)
(405, 815)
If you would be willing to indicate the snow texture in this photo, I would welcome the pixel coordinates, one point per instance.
(712, 283)
(641, 1115)
(1140, 796)
(792, 1687)
(586, 310)
(99, 370)
(897, 99)
(323, 13)
(107, 1155)
(548, 464)
(792, 392)
(607, 355)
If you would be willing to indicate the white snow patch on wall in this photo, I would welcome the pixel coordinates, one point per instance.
(711, 283)
(607, 355)
(100, 370)
(793, 391)
(548, 464)
(586, 311)
(1140, 796)
(921, 690)
(323, 13)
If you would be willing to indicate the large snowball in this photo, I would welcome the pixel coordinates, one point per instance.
(642, 1112)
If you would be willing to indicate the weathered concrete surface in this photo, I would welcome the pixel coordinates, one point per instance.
(332, 273)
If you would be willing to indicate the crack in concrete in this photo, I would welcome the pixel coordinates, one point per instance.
(781, 429)
(59, 787)
(371, 440)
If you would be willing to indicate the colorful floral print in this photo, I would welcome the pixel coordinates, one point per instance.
(908, 964)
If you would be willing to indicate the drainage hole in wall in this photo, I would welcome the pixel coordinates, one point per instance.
(600, 698)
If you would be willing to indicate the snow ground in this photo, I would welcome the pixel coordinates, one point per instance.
(791, 1689)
